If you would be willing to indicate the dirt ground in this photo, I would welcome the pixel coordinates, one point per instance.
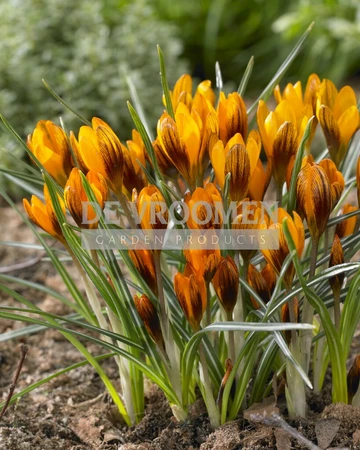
(73, 413)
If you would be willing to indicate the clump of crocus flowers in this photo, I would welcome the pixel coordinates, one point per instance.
(210, 158)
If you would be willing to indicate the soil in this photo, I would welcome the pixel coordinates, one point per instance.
(72, 412)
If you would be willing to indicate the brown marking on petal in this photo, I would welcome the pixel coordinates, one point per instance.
(175, 150)
(314, 198)
(238, 164)
(284, 147)
(331, 130)
(226, 283)
(112, 154)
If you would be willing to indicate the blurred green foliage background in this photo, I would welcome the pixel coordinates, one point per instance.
(84, 48)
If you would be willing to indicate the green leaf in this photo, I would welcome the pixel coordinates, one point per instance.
(246, 77)
(267, 92)
(338, 363)
(45, 380)
(64, 103)
(164, 83)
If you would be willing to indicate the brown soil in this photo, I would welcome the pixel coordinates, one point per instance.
(73, 413)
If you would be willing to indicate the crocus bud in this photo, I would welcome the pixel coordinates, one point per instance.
(353, 379)
(149, 316)
(336, 258)
(144, 262)
(226, 283)
(190, 290)
(263, 282)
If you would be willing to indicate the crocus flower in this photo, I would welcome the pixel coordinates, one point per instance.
(43, 214)
(263, 282)
(339, 117)
(149, 316)
(226, 283)
(293, 93)
(151, 208)
(50, 146)
(144, 262)
(99, 149)
(318, 189)
(186, 141)
(353, 379)
(190, 289)
(232, 116)
(281, 132)
(204, 206)
(134, 157)
(182, 93)
(75, 196)
(277, 257)
(347, 226)
(204, 261)
(240, 160)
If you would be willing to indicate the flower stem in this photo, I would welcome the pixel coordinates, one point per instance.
(307, 314)
(125, 206)
(172, 353)
(213, 410)
(337, 308)
(231, 339)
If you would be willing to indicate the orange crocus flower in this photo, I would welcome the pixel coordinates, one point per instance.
(263, 282)
(190, 289)
(339, 118)
(347, 226)
(226, 283)
(149, 316)
(99, 149)
(186, 141)
(277, 257)
(151, 208)
(241, 160)
(299, 101)
(50, 146)
(208, 203)
(75, 196)
(281, 132)
(318, 189)
(232, 116)
(144, 262)
(43, 214)
(134, 157)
